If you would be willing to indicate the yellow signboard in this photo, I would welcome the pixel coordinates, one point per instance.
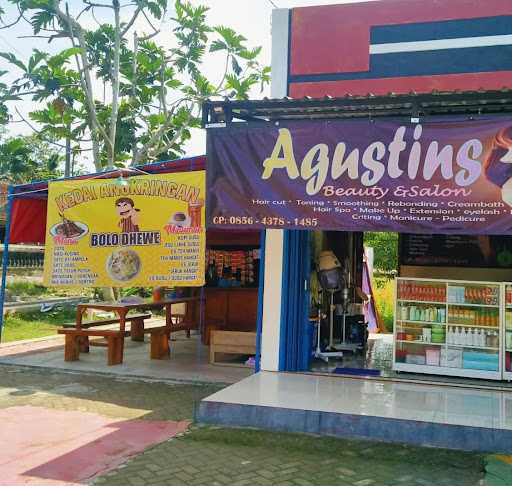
(145, 231)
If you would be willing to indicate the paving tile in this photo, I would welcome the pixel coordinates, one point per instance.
(215, 456)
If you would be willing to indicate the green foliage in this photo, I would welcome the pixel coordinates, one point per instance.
(22, 288)
(34, 324)
(385, 248)
(4, 97)
(23, 159)
(160, 90)
(384, 294)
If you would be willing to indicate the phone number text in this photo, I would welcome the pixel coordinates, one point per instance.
(265, 221)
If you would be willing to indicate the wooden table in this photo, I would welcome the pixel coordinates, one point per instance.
(159, 336)
(122, 309)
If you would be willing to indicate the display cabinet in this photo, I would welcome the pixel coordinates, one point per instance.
(507, 333)
(449, 328)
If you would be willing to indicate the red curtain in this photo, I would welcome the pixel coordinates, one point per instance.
(28, 221)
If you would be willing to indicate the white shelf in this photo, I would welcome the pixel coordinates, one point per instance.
(419, 342)
(461, 304)
(448, 371)
(423, 322)
(421, 302)
(470, 346)
(497, 294)
(474, 325)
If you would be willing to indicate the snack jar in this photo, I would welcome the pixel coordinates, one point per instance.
(157, 294)
(194, 210)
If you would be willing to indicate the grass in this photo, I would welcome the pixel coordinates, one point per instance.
(27, 290)
(30, 325)
(384, 290)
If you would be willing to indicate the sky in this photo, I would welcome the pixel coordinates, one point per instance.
(251, 18)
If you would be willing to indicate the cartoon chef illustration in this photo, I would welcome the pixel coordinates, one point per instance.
(129, 214)
(498, 166)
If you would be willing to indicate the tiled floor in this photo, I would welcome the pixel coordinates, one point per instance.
(377, 355)
(407, 401)
(189, 362)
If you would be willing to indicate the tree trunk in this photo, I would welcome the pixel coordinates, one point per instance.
(67, 166)
(108, 294)
(115, 85)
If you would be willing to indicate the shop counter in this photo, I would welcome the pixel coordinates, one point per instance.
(230, 309)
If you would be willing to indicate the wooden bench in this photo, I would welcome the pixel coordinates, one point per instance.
(73, 344)
(136, 325)
(114, 341)
(231, 342)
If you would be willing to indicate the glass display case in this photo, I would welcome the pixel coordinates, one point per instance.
(449, 328)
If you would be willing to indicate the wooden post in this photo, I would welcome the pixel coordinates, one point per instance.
(71, 350)
(159, 347)
(137, 330)
(83, 343)
(115, 349)
(168, 321)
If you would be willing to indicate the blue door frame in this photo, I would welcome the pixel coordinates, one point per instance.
(294, 348)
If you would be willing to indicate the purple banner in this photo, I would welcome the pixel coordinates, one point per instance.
(450, 175)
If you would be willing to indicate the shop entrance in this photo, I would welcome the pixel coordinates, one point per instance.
(352, 337)
(445, 314)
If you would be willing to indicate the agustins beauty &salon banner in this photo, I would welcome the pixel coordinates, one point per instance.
(443, 175)
(147, 230)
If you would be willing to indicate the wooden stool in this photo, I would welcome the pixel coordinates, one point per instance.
(159, 343)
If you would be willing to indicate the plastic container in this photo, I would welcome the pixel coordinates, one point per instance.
(432, 357)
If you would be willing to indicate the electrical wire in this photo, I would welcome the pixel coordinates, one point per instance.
(272, 3)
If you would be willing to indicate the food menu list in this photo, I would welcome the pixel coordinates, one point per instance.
(149, 232)
(67, 271)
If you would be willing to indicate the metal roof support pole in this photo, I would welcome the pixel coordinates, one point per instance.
(5, 256)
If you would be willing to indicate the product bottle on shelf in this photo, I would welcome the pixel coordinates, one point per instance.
(487, 339)
(478, 337)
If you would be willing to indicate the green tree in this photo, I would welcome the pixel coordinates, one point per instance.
(4, 97)
(385, 250)
(24, 159)
(151, 96)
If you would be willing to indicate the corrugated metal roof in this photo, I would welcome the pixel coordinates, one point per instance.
(411, 104)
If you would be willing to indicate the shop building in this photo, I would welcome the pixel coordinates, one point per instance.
(402, 74)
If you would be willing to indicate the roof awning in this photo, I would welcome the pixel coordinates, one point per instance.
(369, 106)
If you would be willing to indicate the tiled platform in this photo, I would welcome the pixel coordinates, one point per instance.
(189, 361)
(423, 414)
